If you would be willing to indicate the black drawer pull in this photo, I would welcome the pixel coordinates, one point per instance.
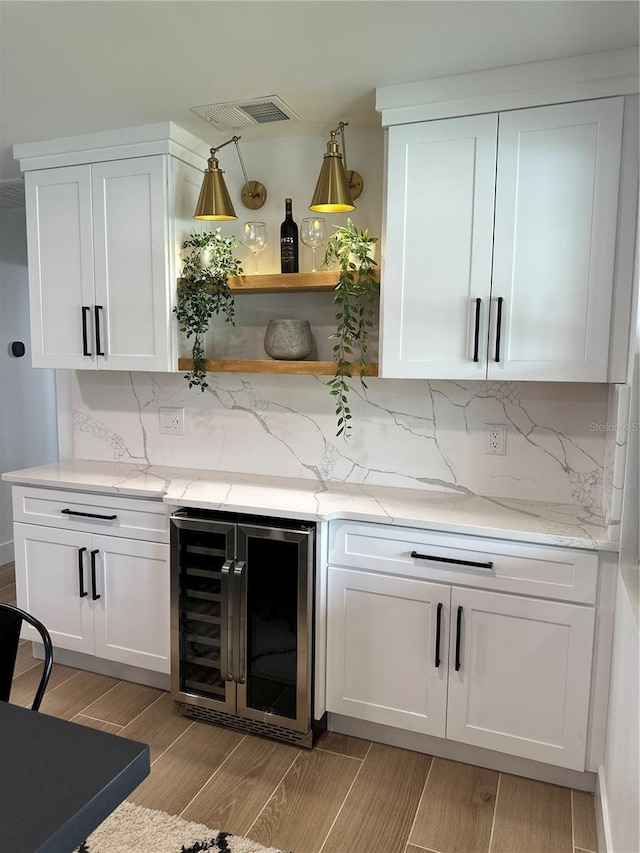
(99, 350)
(94, 594)
(85, 345)
(417, 556)
(499, 327)
(88, 514)
(458, 635)
(83, 592)
(438, 627)
(476, 337)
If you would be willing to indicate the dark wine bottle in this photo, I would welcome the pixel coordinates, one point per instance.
(288, 241)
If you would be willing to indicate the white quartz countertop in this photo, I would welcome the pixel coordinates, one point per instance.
(310, 500)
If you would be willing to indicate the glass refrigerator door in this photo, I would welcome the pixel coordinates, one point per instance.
(201, 619)
(273, 583)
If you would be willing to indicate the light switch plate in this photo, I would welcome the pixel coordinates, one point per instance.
(171, 421)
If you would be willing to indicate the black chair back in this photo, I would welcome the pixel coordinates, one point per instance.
(11, 619)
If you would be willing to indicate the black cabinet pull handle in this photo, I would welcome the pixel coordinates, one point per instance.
(94, 594)
(476, 336)
(458, 635)
(85, 344)
(473, 563)
(83, 592)
(438, 627)
(499, 327)
(99, 350)
(88, 514)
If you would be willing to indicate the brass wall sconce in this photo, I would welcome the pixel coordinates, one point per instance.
(214, 201)
(337, 187)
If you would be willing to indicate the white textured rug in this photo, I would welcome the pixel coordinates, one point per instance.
(133, 828)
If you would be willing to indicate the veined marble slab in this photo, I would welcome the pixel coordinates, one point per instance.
(309, 500)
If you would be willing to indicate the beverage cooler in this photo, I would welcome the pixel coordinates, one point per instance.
(242, 622)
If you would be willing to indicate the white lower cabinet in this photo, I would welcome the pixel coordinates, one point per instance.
(382, 650)
(495, 670)
(521, 678)
(101, 595)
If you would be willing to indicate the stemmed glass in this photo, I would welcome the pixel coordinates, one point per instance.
(313, 235)
(255, 238)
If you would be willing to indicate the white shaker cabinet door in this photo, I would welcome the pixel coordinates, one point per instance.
(555, 235)
(438, 245)
(53, 584)
(60, 258)
(381, 650)
(132, 289)
(132, 613)
(522, 686)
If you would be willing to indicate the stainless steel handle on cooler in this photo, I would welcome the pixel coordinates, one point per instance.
(226, 628)
(240, 662)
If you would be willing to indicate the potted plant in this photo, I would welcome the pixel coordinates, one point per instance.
(204, 291)
(355, 297)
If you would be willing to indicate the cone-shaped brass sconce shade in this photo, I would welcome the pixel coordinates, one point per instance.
(214, 202)
(332, 193)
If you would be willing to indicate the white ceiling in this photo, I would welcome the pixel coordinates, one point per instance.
(87, 65)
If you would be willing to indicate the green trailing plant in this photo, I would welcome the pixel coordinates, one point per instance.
(355, 296)
(204, 291)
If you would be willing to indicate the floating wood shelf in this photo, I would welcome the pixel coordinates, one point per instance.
(296, 282)
(310, 368)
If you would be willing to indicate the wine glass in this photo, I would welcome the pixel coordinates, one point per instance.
(313, 235)
(255, 238)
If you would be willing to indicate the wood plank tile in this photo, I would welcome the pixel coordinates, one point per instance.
(159, 726)
(124, 703)
(379, 811)
(456, 812)
(531, 817)
(180, 772)
(7, 574)
(584, 821)
(411, 848)
(304, 805)
(72, 698)
(101, 725)
(343, 744)
(24, 686)
(8, 594)
(238, 792)
(25, 659)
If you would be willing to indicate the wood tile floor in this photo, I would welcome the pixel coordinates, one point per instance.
(345, 796)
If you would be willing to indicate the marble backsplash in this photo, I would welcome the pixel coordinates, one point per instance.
(409, 433)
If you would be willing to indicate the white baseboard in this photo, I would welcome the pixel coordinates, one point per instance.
(603, 825)
(465, 753)
(6, 553)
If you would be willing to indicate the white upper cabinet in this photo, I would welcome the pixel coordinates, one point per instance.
(99, 274)
(438, 245)
(500, 245)
(555, 240)
(60, 259)
(104, 235)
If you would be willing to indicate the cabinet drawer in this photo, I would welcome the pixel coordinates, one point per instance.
(131, 518)
(562, 573)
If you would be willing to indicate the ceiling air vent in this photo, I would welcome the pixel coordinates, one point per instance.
(237, 114)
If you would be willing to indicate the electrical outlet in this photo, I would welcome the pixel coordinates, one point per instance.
(495, 439)
(171, 421)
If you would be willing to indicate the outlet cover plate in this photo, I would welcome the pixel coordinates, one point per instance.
(495, 439)
(171, 421)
